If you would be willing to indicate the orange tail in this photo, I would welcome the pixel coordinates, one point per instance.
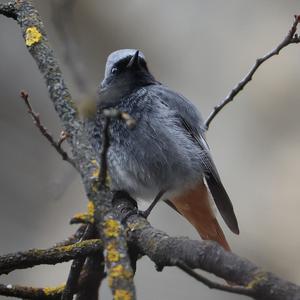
(195, 206)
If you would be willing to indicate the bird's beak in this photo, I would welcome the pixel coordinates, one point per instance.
(134, 61)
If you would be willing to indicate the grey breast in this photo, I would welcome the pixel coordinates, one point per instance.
(157, 153)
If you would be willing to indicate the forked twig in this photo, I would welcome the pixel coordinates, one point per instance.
(291, 38)
(44, 131)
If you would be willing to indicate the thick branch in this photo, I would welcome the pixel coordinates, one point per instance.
(83, 154)
(205, 255)
(162, 249)
(291, 38)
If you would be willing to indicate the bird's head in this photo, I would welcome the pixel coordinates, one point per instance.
(125, 71)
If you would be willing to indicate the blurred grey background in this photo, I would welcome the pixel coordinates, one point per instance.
(201, 49)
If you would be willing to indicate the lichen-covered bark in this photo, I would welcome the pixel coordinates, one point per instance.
(164, 251)
(34, 257)
(116, 219)
(84, 156)
(30, 292)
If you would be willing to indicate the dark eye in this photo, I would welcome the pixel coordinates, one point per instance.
(114, 70)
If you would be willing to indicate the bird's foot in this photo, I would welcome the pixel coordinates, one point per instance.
(145, 214)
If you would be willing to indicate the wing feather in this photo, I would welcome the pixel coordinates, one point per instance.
(213, 180)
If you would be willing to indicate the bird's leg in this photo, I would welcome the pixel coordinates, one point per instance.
(147, 212)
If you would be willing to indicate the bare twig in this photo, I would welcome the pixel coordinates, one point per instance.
(44, 131)
(103, 157)
(291, 38)
(73, 278)
(214, 285)
(76, 267)
(91, 277)
(108, 115)
(75, 238)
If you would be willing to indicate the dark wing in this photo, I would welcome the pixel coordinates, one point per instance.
(192, 121)
(213, 180)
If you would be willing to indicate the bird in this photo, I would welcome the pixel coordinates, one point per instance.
(165, 155)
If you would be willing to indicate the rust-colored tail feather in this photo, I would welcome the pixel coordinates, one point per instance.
(195, 206)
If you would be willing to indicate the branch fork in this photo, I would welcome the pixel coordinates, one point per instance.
(121, 240)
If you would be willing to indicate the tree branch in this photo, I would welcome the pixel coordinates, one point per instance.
(76, 268)
(73, 238)
(45, 132)
(205, 255)
(117, 221)
(214, 285)
(52, 256)
(291, 38)
(83, 154)
(30, 292)
(91, 277)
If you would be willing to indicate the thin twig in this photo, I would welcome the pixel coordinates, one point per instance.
(44, 131)
(214, 285)
(25, 292)
(75, 238)
(103, 157)
(108, 115)
(291, 38)
(91, 277)
(76, 267)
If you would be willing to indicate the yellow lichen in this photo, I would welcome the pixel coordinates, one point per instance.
(69, 248)
(91, 210)
(122, 295)
(95, 186)
(116, 271)
(110, 281)
(32, 36)
(51, 291)
(113, 254)
(259, 277)
(94, 162)
(96, 173)
(120, 271)
(112, 228)
(83, 218)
